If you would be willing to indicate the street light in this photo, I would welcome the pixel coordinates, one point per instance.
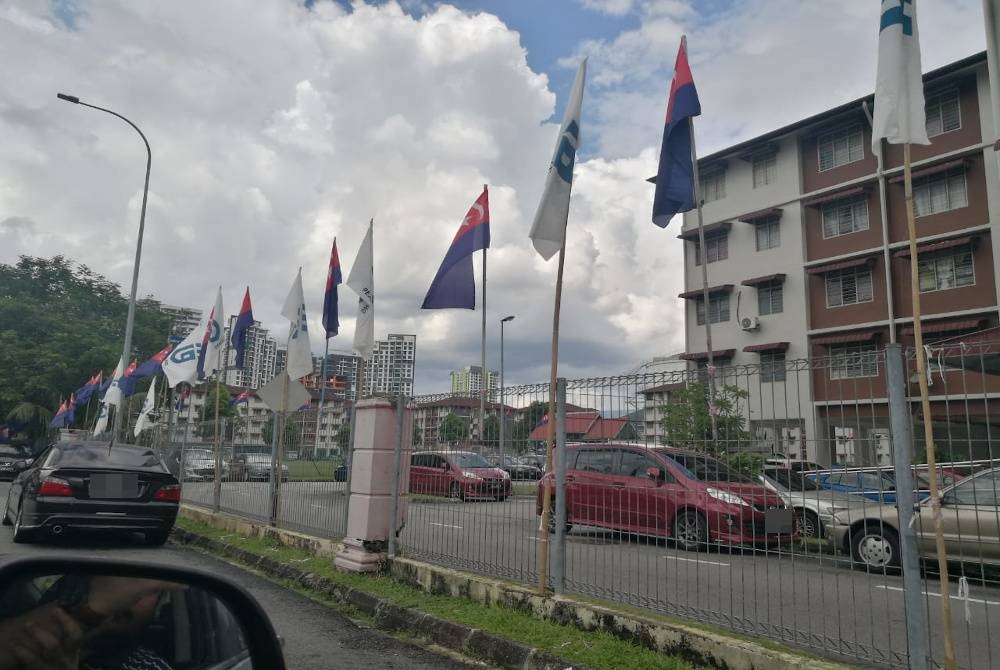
(503, 406)
(130, 320)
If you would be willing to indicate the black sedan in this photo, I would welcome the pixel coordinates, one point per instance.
(9, 455)
(91, 485)
(519, 468)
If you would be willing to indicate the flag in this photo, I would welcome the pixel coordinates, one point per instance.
(150, 367)
(331, 320)
(299, 361)
(243, 323)
(454, 284)
(113, 396)
(102, 420)
(242, 397)
(183, 396)
(548, 232)
(143, 421)
(362, 281)
(181, 364)
(899, 114)
(57, 418)
(675, 187)
(84, 392)
(210, 354)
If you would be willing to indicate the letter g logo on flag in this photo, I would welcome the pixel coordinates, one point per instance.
(185, 354)
(566, 155)
(893, 12)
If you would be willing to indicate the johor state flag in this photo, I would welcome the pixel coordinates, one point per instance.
(149, 368)
(57, 420)
(243, 323)
(84, 392)
(243, 397)
(331, 318)
(675, 176)
(899, 114)
(454, 284)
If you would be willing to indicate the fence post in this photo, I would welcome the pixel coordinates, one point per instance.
(559, 549)
(397, 463)
(915, 609)
(275, 470)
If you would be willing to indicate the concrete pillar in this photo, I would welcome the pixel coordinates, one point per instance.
(369, 516)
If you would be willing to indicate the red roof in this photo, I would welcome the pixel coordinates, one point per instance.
(839, 195)
(605, 429)
(841, 265)
(711, 229)
(697, 293)
(761, 215)
(934, 169)
(703, 355)
(848, 338)
(928, 247)
(577, 423)
(771, 346)
(946, 326)
(777, 278)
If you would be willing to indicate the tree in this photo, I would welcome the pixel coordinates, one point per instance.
(60, 322)
(687, 421)
(453, 429)
(31, 421)
(491, 428)
(230, 420)
(292, 433)
(521, 429)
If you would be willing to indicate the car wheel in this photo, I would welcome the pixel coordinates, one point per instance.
(876, 546)
(456, 492)
(690, 530)
(809, 525)
(21, 534)
(156, 538)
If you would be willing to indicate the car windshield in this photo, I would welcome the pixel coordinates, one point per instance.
(791, 480)
(470, 461)
(101, 456)
(704, 468)
(7, 451)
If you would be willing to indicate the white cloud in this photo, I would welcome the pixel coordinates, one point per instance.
(612, 7)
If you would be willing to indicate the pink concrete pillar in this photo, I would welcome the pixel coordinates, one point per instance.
(369, 514)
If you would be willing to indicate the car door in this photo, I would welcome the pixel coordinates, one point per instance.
(641, 502)
(970, 520)
(439, 475)
(592, 479)
(418, 482)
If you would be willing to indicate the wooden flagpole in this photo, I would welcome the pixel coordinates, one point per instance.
(925, 406)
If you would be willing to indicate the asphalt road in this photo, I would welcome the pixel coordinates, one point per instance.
(316, 637)
(814, 601)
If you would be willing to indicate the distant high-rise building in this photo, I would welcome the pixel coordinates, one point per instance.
(341, 375)
(258, 362)
(280, 356)
(469, 381)
(183, 319)
(391, 366)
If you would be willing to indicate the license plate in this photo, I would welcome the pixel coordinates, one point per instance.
(779, 521)
(114, 485)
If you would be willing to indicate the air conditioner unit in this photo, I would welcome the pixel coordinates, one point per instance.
(750, 323)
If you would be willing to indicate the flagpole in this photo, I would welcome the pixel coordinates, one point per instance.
(217, 485)
(483, 383)
(322, 394)
(703, 253)
(925, 406)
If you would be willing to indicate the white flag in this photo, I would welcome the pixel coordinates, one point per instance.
(362, 282)
(181, 365)
(102, 420)
(210, 354)
(299, 362)
(143, 421)
(549, 229)
(113, 396)
(899, 114)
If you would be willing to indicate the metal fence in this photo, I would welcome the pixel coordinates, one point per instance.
(761, 499)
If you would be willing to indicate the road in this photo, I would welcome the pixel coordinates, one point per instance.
(316, 637)
(814, 601)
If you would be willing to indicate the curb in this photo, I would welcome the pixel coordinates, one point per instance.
(471, 642)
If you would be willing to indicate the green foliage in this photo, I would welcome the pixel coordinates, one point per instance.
(453, 429)
(521, 429)
(293, 435)
(60, 322)
(687, 422)
(744, 462)
(491, 430)
(31, 421)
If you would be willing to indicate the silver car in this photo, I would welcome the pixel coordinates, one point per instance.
(812, 504)
(970, 518)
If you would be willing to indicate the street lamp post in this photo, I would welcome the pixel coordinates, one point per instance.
(503, 406)
(130, 320)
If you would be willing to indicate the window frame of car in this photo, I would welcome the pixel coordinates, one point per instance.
(615, 458)
(651, 462)
(969, 483)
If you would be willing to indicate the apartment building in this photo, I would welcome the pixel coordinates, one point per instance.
(469, 381)
(258, 361)
(390, 368)
(807, 258)
(341, 375)
(182, 319)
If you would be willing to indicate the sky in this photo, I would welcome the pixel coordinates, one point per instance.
(276, 125)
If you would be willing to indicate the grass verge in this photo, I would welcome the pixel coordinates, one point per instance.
(311, 470)
(596, 650)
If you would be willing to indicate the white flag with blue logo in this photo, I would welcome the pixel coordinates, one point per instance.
(299, 362)
(362, 281)
(181, 365)
(144, 421)
(549, 228)
(112, 397)
(899, 114)
(210, 354)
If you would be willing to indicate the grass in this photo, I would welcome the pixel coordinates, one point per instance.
(311, 470)
(597, 650)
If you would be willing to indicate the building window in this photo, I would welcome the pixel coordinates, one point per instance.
(713, 186)
(770, 299)
(765, 170)
(943, 114)
(718, 309)
(848, 287)
(772, 366)
(716, 248)
(845, 217)
(852, 361)
(840, 148)
(768, 234)
(939, 193)
(947, 271)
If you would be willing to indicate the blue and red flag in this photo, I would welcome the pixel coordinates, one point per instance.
(331, 319)
(149, 368)
(84, 392)
(243, 323)
(454, 284)
(242, 397)
(675, 187)
(182, 397)
(65, 415)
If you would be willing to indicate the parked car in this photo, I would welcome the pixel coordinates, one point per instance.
(519, 468)
(464, 475)
(796, 464)
(970, 517)
(812, 504)
(89, 485)
(199, 466)
(665, 492)
(871, 484)
(253, 467)
(9, 455)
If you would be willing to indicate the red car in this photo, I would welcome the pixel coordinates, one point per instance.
(660, 491)
(457, 474)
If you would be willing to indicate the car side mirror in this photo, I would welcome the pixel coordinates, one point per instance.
(191, 611)
(20, 466)
(654, 473)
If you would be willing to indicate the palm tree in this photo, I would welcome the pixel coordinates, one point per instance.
(30, 420)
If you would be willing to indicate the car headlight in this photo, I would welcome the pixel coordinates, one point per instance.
(470, 475)
(727, 497)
